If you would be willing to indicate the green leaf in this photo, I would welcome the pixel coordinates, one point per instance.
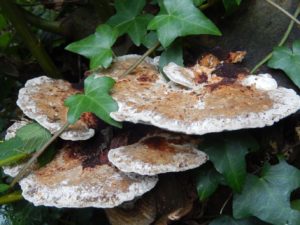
(208, 180)
(268, 197)
(296, 204)
(231, 5)
(179, 18)
(226, 220)
(172, 54)
(28, 139)
(128, 19)
(5, 39)
(227, 152)
(150, 39)
(3, 22)
(287, 60)
(96, 47)
(11, 197)
(4, 187)
(96, 99)
(198, 2)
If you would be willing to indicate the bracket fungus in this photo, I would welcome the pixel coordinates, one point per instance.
(158, 153)
(42, 99)
(209, 100)
(64, 182)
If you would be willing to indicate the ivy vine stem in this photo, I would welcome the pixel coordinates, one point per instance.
(34, 157)
(282, 41)
(140, 60)
(294, 18)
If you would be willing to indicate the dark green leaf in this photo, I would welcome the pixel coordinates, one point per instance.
(172, 54)
(179, 18)
(3, 22)
(198, 2)
(96, 99)
(268, 197)
(47, 156)
(231, 5)
(4, 187)
(128, 19)
(207, 181)
(296, 204)
(24, 213)
(227, 152)
(226, 220)
(287, 60)
(5, 39)
(96, 47)
(28, 139)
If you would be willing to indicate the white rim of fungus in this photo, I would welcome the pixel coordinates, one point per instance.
(285, 103)
(28, 106)
(181, 161)
(79, 197)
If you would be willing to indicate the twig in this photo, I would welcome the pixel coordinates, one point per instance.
(282, 41)
(284, 11)
(23, 171)
(225, 203)
(37, 50)
(147, 53)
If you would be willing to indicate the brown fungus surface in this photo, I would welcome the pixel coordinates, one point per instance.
(158, 153)
(42, 99)
(65, 182)
(220, 103)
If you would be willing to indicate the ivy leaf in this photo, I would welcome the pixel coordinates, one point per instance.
(150, 39)
(96, 99)
(208, 180)
(226, 220)
(227, 152)
(231, 5)
(172, 54)
(4, 187)
(268, 197)
(179, 18)
(28, 139)
(96, 47)
(198, 2)
(128, 19)
(287, 60)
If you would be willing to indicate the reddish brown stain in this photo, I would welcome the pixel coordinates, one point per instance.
(158, 143)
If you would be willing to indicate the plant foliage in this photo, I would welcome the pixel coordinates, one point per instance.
(287, 60)
(97, 47)
(178, 18)
(128, 19)
(268, 196)
(96, 99)
(28, 139)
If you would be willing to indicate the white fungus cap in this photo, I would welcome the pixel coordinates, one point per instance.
(158, 153)
(215, 105)
(42, 99)
(65, 183)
